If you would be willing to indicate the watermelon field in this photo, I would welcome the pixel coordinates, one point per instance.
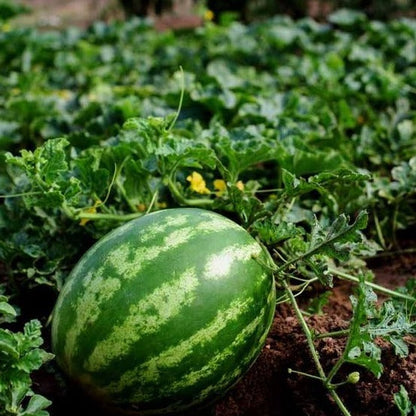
(217, 221)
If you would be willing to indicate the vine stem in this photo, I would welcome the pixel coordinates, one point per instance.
(393, 253)
(333, 334)
(20, 194)
(381, 289)
(180, 100)
(310, 252)
(116, 217)
(315, 356)
(378, 229)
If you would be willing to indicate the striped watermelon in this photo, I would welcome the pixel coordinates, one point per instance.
(165, 312)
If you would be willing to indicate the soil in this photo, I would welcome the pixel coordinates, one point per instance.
(58, 14)
(268, 389)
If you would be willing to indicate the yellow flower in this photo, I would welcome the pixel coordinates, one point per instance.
(6, 27)
(208, 15)
(220, 186)
(141, 207)
(65, 94)
(197, 183)
(90, 210)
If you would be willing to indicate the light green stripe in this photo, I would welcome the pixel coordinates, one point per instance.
(128, 268)
(224, 382)
(148, 233)
(194, 377)
(67, 288)
(146, 317)
(219, 264)
(219, 387)
(151, 231)
(97, 291)
(149, 371)
(86, 277)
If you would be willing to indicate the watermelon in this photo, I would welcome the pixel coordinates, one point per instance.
(164, 313)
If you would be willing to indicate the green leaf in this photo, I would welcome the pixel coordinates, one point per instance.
(338, 240)
(18, 390)
(9, 9)
(296, 156)
(7, 310)
(224, 73)
(8, 345)
(401, 349)
(316, 304)
(402, 401)
(366, 354)
(36, 405)
(242, 148)
(32, 335)
(33, 360)
(392, 324)
(346, 17)
(178, 153)
(360, 348)
(94, 179)
(272, 234)
(215, 98)
(19, 357)
(51, 160)
(248, 207)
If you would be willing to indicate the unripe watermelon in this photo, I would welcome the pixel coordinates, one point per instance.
(165, 312)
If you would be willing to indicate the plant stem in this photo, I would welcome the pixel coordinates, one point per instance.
(312, 251)
(335, 368)
(115, 217)
(315, 357)
(21, 194)
(305, 329)
(180, 100)
(381, 289)
(394, 223)
(290, 371)
(378, 229)
(393, 253)
(333, 334)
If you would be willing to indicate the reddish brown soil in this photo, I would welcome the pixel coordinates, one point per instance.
(268, 389)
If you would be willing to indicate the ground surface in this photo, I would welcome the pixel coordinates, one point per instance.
(64, 13)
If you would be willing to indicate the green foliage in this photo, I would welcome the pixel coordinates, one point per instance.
(20, 355)
(316, 304)
(10, 9)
